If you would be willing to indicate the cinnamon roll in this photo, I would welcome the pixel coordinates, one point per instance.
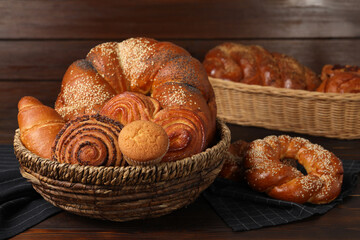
(89, 140)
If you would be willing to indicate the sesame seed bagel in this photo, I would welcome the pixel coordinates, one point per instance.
(158, 70)
(266, 172)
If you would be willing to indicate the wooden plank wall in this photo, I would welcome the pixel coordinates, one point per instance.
(39, 39)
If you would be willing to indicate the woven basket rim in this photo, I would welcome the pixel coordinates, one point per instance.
(168, 170)
(226, 84)
(330, 115)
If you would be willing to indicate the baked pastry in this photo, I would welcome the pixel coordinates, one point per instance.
(184, 125)
(340, 79)
(89, 140)
(255, 65)
(138, 65)
(266, 173)
(160, 70)
(143, 143)
(233, 168)
(83, 91)
(39, 125)
(131, 106)
(186, 130)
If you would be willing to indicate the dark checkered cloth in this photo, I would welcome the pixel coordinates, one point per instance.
(20, 206)
(243, 209)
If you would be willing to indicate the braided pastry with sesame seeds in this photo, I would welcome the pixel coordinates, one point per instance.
(265, 171)
(255, 65)
(161, 71)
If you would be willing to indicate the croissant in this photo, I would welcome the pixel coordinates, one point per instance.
(340, 79)
(255, 65)
(39, 125)
(161, 70)
(89, 140)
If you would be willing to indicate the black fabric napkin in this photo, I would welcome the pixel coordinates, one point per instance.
(21, 207)
(243, 209)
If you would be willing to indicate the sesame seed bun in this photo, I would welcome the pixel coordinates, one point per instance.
(143, 142)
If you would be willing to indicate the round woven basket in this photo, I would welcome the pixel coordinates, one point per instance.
(124, 193)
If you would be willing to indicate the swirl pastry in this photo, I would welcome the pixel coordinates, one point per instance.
(186, 131)
(89, 140)
(130, 106)
(185, 125)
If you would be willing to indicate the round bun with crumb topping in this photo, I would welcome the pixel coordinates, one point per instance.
(266, 170)
(181, 98)
(143, 143)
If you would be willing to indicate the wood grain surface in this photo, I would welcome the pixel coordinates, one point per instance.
(185, 19)
(39, 39)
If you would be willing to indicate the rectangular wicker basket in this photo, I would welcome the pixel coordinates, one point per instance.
(330, 115)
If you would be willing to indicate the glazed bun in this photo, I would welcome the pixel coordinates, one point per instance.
(39, 125)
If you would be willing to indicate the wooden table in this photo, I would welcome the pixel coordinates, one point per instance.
(39, 39)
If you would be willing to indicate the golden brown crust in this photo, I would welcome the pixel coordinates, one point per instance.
(186, 130)
(38, 125)
(255, 65)
(340, 79)
(175, 98)
(131, 106)
(143, 142)
(266, 173)
(162, 70)
(104, 59)
(89, 140)
(83, 91)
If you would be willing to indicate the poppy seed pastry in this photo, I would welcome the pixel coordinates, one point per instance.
(89, 140)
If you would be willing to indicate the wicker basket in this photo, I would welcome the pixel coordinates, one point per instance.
(124, 193)
(320, 114)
